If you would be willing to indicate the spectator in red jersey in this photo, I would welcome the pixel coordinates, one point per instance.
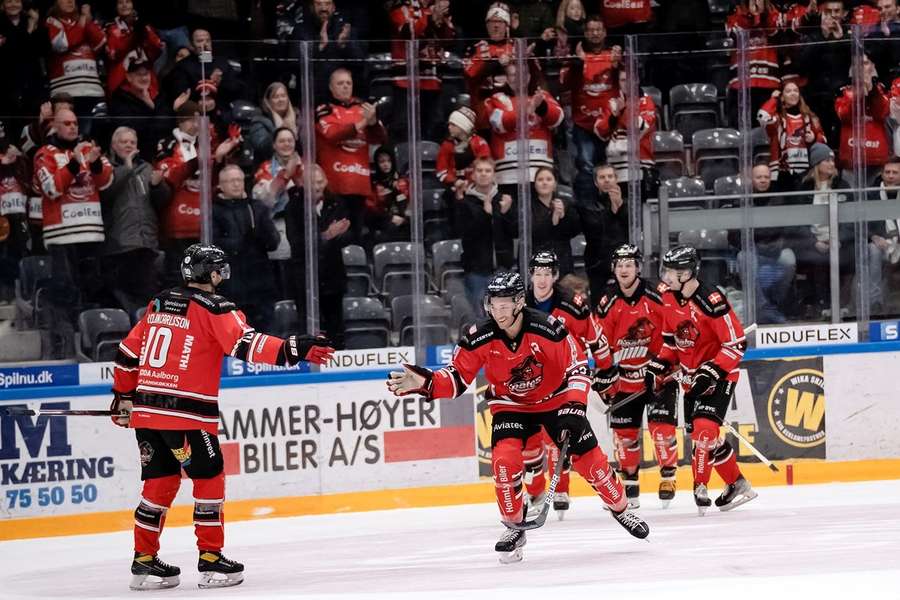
(132, 228)
(482, 76)
(762, 22)
(877, 107)
(554, 221)
(792, 129)
(70, 174)
(128, 39)
(458, 150)
(75, 41)
(22, 45)
(15, 185)
(345, 127)
(430, 23)
(388, 207)
(592, 79)
(627, 17)
(136, 105)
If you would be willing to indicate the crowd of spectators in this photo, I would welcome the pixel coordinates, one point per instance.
(100, 150)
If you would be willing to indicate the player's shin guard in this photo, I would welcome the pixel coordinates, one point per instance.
(725, 462)
(508, 465)
(209, 514)
(595, 469)
(664, 444)
(150, 515)
(705, 438)
(534, 458)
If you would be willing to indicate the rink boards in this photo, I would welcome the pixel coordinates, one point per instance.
(333, 442)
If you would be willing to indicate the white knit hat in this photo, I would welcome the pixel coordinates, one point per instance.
(498, 10)
(464, 118)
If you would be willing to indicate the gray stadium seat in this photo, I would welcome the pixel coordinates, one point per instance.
(693, 106)
(685, 187)
(100, 331)
(394, 268)
(366, 323)
(446, 258)
(716, 153)
(434, 320)
(286, 319)
(462, 315)
(668, 152)
(359, 274)
(34, 275)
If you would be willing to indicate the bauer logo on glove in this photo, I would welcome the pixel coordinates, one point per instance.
(706, 379)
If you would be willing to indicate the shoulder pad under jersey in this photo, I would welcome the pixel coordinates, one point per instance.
(655, 291)
(711, 301)
(478, 334)
(544, 325)
(572, 303)
(214, 303)
(607, 300)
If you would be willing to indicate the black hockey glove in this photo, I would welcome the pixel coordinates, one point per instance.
(571, 420)
(656, 372)
(604, 383)
(121, 407)
(314, 349)
(705, 380)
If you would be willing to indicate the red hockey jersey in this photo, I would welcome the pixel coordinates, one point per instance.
(454, 161)
(877, 110)
(342, 151)
(762, 55)
(173, 357)
(700, 329)
(71, 195)
(408, 19)
(538, 371)
(787, 138)
(612, 128)
(634, 329)
(123, 46)
(502, 112)
(592, 82)
(618, 13)
(177, 157)
(72, 65)
(575, 314)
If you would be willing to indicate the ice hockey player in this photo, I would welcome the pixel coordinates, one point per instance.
(702, 334)
(537, 379)
(631, 315)
(166, 382)
(547, 296)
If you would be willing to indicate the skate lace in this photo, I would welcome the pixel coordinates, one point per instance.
(162, 564)
(509, 536)
(630, 520)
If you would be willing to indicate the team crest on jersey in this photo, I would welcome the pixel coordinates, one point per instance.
(715, 297)
(686, 334)
(526, 376)
(640, 333)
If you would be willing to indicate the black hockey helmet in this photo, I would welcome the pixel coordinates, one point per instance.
(682, 258)
(627, 252)
(201, 260)
(544, 258)
(504, 285)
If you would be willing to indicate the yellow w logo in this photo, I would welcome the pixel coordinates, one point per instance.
(806, 407)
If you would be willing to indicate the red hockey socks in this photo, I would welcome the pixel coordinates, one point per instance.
(595, 469)
(628, 449)
(724, 460)
(664, 444)
(705, 438)
(508, 466)
(209, 514)
(150, 515)
(533, 457)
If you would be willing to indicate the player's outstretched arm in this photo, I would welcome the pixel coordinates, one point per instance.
(413, 379)
(315, 349)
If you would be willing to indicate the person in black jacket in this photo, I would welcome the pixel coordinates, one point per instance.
(243, 228)
(554, 221)
(188, 73)
(132, 105)
(604, 220)
(23, 42)
(488, 226)
(334, 233)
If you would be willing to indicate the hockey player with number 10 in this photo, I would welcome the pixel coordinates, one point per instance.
(166, 386)
(537, 378)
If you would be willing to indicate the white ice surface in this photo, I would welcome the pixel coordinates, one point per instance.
(817, 541)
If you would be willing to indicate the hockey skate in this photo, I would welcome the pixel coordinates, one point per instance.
(216, 571)
(632, 523)
(735, 494)
(632, 489)
(701, 498)
(150, 573)
(534, 504)
(510, 546)
(666, 486)
(561, 504)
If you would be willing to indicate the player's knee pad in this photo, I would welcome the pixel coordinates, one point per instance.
(508, 467)
(705, 434)
(628, 448)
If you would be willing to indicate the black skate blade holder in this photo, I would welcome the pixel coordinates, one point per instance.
(539, 521)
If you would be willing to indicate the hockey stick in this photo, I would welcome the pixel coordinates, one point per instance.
(15, 411)
(538, 521)
(753, 449)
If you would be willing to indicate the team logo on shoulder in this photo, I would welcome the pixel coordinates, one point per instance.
(578, 300)
(796, 408)
(473, 329)
(715, 297)
(526, 376)
(662, 288)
